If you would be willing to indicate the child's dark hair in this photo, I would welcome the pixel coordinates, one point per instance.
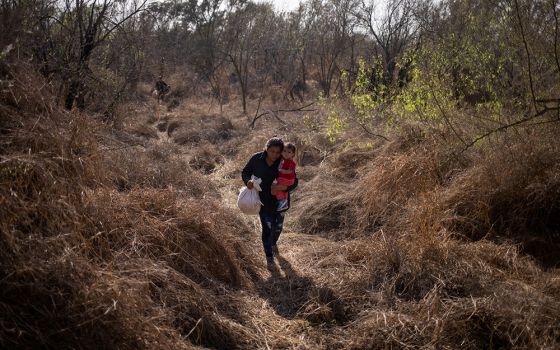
(291, 146)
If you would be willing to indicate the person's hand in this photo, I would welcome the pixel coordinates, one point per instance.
(250, 184)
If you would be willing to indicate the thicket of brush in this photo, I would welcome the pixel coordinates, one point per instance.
(102, 246)
(428, 165)
(461, 249)
(110, 239)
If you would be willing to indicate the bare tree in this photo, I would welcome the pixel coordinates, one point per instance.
(331, 24)
(392, 26)
(81, 27)
(247, 29)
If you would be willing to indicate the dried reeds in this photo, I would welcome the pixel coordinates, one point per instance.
(109, 243)
(86, 262)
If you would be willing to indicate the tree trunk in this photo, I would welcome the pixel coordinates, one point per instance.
(75, 94)
(243, 96)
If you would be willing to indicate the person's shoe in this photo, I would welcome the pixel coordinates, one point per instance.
(282, 204)
(269, 261)
(275, 250)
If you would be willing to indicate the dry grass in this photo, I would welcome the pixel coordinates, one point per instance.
(110, 240)
(406, 281)
(430, 292)
(325, 207)
(514, 194)
(205, 128)
(420, 290)
(206, 157)
(157, 167)
(145, 131)
(383, 194)
(362, 189)
(510, 194)
(84, 265)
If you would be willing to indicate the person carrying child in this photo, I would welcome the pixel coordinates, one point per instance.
(265, 165)
(286, 175)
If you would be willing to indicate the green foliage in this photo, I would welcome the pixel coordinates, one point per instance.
(439, 77)
(337, 124)
(370, 92)
(337, 120)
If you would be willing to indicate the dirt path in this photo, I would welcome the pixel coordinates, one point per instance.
(297, 304)
(300, 304)
(286, 298)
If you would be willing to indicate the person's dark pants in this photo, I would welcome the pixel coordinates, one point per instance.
(271, 228)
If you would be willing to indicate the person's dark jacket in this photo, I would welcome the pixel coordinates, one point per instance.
(257, 166)
(162, 87)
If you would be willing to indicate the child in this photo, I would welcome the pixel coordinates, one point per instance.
(286, 175)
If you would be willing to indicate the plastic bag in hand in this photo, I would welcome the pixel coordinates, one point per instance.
(248, 200)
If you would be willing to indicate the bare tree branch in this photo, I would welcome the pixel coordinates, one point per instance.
(372, 133)
(507, 126)
(526, 46)
(274, 113)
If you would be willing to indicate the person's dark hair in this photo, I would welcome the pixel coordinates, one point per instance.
(291, 146)
(275, 142)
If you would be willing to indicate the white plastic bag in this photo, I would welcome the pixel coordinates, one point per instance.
(248, 200)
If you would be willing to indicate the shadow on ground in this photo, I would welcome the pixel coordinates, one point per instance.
(295, 296)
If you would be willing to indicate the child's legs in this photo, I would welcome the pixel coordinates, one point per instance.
(285, 182)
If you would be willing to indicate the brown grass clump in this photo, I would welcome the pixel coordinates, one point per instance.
(324, 206)
(513, 192)
(429, 292)
(145, 131)
(351, 162)
(422, 287)
(204, 128)
(45, 154)
(324, 202)
(206, 157)
(391, 182)
(510, 194)
(188, 234)
(68, 302)
(363, 189)
(159, 166)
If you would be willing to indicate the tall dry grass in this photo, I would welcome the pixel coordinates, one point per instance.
(111, 240)
(443, 248)
(105, 253)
